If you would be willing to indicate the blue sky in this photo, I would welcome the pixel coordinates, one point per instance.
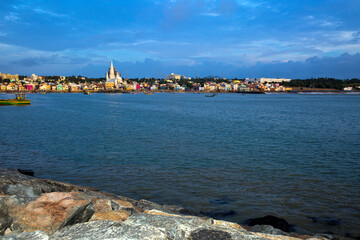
(233, 38)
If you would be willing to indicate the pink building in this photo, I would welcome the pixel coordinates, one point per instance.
(29, 87)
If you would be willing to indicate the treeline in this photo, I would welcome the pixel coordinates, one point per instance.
(332, 83)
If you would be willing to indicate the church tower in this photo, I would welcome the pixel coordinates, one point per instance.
(113, 76)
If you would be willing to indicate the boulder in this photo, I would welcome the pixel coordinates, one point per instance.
(206, 234)
(175, 226)
(102, 205)
(38, 235)
(148, 205)
(12, 182)
(268, 229)
(28, 172)
(51, 212)
(119, 215)
(276, 222)
(5, 219)
(107, 230)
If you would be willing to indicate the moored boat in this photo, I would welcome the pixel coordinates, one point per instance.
(20, 99)
(211, 95)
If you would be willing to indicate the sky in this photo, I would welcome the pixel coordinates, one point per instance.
(228, 38)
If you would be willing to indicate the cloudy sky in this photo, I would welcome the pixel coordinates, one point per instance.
(230, 38)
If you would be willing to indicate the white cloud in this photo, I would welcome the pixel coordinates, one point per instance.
(12, 17)
(47, 12)
(211, 14)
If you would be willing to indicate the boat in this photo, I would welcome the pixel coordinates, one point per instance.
(149, 93)
(87, 93)
(20, 99)
(211, 95)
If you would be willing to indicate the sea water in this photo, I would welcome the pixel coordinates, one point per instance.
(232, 156)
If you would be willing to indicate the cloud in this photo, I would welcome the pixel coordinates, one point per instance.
(12, 17)
(343, 66)
(211, 14)
(50, 13)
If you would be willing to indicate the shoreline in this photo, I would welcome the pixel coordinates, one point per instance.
(60, 210)
(194, 91)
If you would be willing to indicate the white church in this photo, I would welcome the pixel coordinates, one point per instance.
(113, 76)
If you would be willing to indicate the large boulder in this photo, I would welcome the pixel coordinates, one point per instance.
(5, 219)
(205, 234)
(148, 205)
(276, 222)
(37, 235)
(13, 182)
(51, 212)
(268, 229)
(108, 230)
(119, 215)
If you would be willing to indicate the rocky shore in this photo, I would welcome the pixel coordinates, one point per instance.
(33, 208)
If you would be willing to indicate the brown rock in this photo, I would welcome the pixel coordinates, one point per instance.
(50, 212)
(123, 204)
(228, 224)
(102, 205)
(120, 215)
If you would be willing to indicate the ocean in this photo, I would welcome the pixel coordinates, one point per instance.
(232, 157)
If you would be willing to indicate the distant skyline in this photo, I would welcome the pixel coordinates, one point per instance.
(230, 38)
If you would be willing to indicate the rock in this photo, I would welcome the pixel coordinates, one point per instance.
(330, 237)
(38, 235)
(276, 222)
(268, 229)
(5, 219)
(148, 205)
(50, 212)
(228, 225)
(28, 172)
(102, 205)
(107, 230)
(120, 204)
(192, 227)
(84, 216)
(175, 226)
(119, 215)
(14, 183)
(205, 234)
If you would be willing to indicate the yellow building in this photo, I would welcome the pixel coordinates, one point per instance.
(109, 85)
(9, 76)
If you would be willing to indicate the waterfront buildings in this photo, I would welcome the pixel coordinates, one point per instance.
(268, 80)
(173, 76)
(14, 77)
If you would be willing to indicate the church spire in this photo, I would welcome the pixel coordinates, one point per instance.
(111, 64)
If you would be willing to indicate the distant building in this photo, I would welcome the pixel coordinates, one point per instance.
(112, 76)
(173, 76)
(9, 76)
(33, 77)
(268, 80)
(185, 77)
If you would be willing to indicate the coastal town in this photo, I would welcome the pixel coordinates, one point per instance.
(113, 82)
